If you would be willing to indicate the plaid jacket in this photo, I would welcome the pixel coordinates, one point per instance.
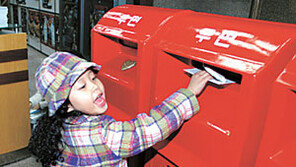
(102, 141)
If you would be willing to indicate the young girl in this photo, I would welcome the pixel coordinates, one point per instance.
(77, 133)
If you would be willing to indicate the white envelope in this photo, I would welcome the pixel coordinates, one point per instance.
(218, 78)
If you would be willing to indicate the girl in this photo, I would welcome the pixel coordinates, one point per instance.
(77, 133)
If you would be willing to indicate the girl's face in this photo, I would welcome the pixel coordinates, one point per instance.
(88, 95)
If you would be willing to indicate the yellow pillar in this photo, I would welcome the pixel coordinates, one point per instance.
(14, 93)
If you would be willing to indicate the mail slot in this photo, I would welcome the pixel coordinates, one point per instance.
(157, 44)
(119, 42)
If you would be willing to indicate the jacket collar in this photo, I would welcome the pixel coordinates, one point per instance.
(76, 120)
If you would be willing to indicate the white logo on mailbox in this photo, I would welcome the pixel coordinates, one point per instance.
(205, 34)
(226, 35)
(130, 21)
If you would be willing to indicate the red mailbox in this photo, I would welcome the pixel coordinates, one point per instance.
(119, 42)
(155, 45)
(278, 144)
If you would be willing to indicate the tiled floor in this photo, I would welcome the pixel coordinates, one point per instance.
(34, 60)
(21, 158)
(28, 162)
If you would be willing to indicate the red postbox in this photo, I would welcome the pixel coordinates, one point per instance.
(119, 42)
(278, 144)
(144, 50)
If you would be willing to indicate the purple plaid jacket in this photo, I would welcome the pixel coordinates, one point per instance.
(102, 141)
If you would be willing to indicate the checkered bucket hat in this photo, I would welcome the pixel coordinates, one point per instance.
(56, 75)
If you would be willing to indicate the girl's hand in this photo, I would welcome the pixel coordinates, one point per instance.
(198, 82)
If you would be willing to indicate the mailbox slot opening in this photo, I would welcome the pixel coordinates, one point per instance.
(123, 42)
(237, 78)
(113, 52)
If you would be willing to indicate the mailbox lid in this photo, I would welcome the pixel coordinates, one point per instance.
(240, 44)
(133, 23)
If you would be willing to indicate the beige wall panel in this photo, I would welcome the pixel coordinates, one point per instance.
(15, 129)
(14, 116)
(13, 41)
(13, 66)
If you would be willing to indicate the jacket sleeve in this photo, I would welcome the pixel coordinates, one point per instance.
(132, 137)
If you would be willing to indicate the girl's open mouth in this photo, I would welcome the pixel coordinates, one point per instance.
(100, 101)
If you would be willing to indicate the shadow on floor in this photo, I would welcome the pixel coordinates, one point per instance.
(19, 158)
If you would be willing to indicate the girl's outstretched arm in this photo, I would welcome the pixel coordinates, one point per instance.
(132, 137)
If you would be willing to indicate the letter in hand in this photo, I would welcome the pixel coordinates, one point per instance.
(198, 82)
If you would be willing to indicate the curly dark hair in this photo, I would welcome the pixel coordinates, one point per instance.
(46, 140)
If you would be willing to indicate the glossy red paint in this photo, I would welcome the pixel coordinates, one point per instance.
(278, 144)
(128, 91)
(228, 129)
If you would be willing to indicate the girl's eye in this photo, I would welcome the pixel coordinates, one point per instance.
(94, 78)
(82, 87)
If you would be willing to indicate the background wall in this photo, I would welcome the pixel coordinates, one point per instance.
(272, 10)
(239, 8)
(278, 10)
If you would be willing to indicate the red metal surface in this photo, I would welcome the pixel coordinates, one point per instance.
(128, 91)
(229, 128)
(278, 145)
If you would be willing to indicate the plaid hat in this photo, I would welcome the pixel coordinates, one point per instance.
(56, 75)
